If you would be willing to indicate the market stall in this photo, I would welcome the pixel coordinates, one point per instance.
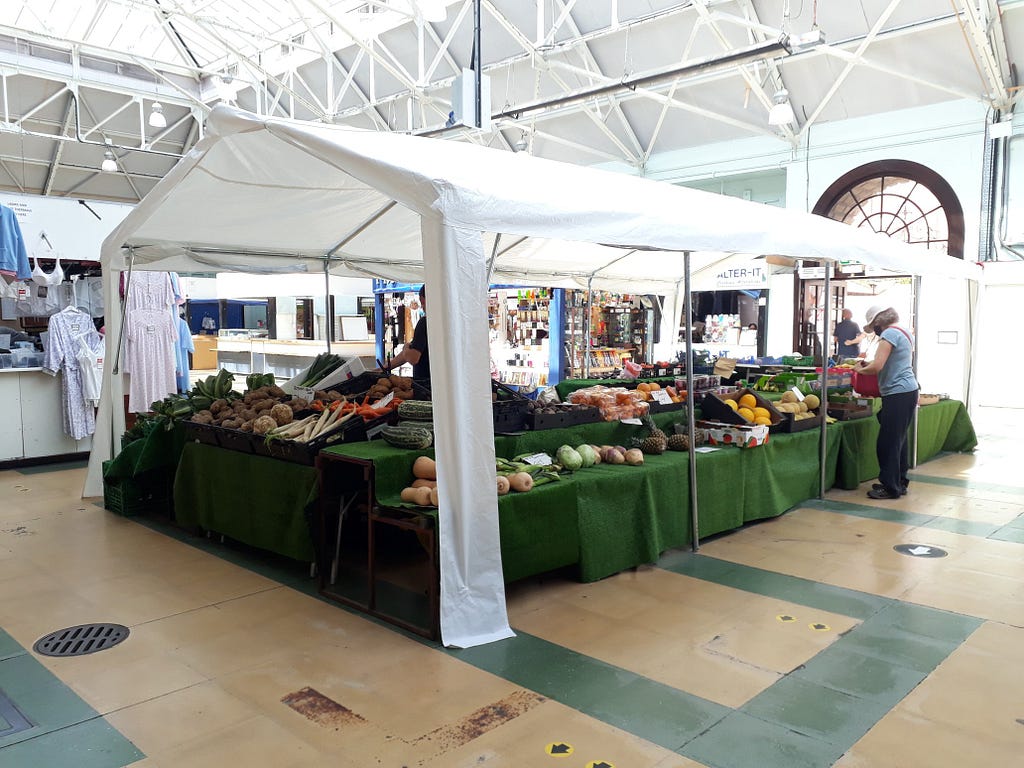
(458, 216)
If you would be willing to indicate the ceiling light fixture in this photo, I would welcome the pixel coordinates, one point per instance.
(782, 111)
(156, 116)
(109, 164)
(521, 144)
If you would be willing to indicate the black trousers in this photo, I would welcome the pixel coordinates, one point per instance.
(894, 420)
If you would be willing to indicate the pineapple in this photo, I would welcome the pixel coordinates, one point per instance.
(655, 442)
(678, 443)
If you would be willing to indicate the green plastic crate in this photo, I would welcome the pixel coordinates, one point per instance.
(149, 493)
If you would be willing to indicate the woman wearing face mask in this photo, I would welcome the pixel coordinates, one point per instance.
(893, 364)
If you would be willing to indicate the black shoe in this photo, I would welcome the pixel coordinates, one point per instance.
(882, 493)
(880, 487)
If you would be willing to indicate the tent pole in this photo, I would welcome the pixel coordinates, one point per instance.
(328, 316)
(124, 309)
(823, 405)
(690, 429)
(586, 330)
(913, 362)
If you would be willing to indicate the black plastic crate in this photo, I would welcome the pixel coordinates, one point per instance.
(237, 440)
(355, 430)
(565, 417)
(202, 433)
(791, 424)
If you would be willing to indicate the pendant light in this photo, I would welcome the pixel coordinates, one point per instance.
(109, 164)
(782, 111)
(156, 116)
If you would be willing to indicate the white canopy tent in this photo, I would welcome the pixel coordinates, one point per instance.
(274, 196)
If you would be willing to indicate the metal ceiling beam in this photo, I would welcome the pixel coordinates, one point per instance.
(876, 28)
(753, 84)
(982, 29)
(9, 172)
(58, 150)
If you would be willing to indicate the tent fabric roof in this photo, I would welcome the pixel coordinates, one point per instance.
(275, 195)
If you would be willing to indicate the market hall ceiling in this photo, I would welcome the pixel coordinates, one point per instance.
(82, 74)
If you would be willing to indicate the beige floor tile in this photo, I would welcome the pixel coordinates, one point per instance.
(168, 722)
(107, 685)
(258, 742)
(715, 677)
(907, 741)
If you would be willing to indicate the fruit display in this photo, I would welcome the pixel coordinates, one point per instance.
(613, 402)
(645, 388)
(800, 410)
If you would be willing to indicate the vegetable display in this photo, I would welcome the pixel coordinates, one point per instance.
(322, 366)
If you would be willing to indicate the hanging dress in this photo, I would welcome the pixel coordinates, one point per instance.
(69, 329)
(151, 357)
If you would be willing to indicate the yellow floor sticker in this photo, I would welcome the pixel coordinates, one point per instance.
(819, 627)
(785, 618)
(599, 764)
(559, 749)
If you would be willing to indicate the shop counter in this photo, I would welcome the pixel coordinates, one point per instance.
(31, 408)
(256, 500)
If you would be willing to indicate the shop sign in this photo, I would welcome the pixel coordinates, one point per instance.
(812, 273)
(752, 276)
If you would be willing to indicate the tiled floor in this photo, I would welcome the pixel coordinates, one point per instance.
(800, 641)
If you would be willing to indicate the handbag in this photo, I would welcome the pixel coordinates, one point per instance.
(867, 383)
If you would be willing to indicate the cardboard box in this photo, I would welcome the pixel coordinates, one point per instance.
(351, 368)
(713, 407)
(742, 435)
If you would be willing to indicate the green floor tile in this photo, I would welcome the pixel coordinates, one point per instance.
(9, 646)
(92, 744)
(662, 715)
(1007, 533)
(846, 670)
(963, 527)
(40, 469)
(973, 485)
(898, 647)
(549, 669)
(929, 623)
(907, 515)
(826, 597)
(816, 710)
(43, 699)
(742, 741)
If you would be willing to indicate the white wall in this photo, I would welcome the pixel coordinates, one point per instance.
(73, 231)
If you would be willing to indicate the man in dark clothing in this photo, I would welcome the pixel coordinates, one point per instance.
(845, 336)
(416, 351)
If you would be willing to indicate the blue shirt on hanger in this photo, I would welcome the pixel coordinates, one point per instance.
(13, 257)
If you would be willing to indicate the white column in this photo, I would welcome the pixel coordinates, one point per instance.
(472, 586)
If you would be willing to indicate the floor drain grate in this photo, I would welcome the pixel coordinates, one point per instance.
(80, 640)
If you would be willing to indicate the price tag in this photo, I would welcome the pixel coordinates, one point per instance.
(637, 422)
(306, 393)
(661, 396)
(538, 460)
(799, 394)
(384, 400)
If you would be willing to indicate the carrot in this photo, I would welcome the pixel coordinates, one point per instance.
(317, 406)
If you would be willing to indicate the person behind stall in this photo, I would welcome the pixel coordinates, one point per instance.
(847, 337)
(893, 364)
(417, 351)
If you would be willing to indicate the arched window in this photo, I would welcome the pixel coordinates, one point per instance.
(900, 199)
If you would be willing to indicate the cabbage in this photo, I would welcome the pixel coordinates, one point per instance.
(568, 457)
(586, 452)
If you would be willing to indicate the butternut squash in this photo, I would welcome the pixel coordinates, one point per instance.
(503, 485)
(424, 468)
(433, 497)
(419, 482)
